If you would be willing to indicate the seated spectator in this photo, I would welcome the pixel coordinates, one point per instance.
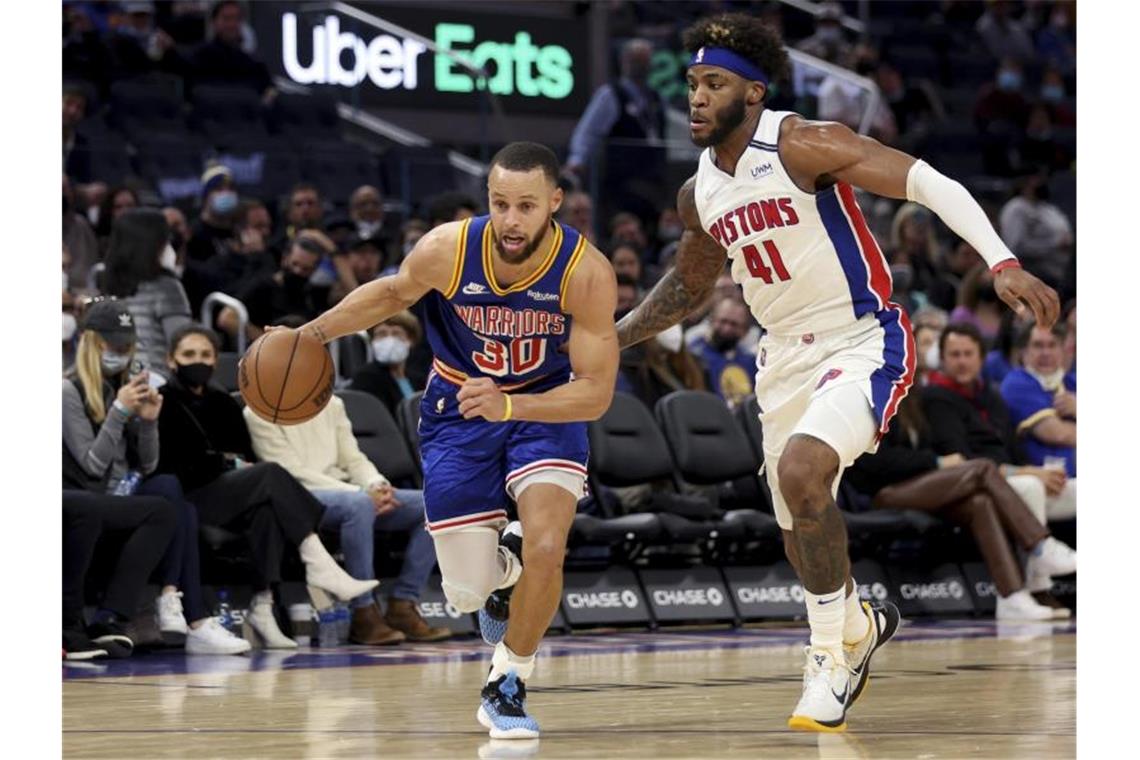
(843, 101)
(1005, 354)
(366, 210)
(305, 211)
(1053, 95)
(386, 376)
(79, 239)
(114, 204)
(149, 523)
(85, 55)
(206, 446)
(626, 228)
(955, 263)
(111, 446)
(979, 304)
(1040, 150)
(410, 233)
(1004, 35)
(701, 320)
(577, 210)
(139, 271)
(324, 456)
(968, 417)
(730, 369)
(1037, 231)
(628, 294)
(626, 261)
(914, 105)
(906, 473)
(364, 259)
(222, 60)
(1057, 42)
(286, 292)
(829, 40)
(655, 368)
(76, 151)
(1000, 114)
(915, 250)
(1042, 399)
(139, 48)
(451, 207)
(926, 351)
(179, 235)
(212, 233)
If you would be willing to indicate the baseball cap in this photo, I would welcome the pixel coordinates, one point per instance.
(112, 320)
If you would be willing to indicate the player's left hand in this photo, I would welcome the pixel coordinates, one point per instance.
(480, 397)
(1019, 289)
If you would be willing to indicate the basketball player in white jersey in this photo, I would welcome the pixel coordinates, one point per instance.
(773, 192)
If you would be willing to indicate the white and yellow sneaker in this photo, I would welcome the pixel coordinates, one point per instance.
(827, 690)
(884, 618)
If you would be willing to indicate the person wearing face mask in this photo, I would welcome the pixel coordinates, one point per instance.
(139, 270)
(213, 232)
(730, 369)
(366, 210)
(206, 447)
(387, 376)
(828, 41)
(1000, 114)
(1042, 399)
(626, 118)
(1002, 34)
(138, 47)
(656, 368)
(1036, 230)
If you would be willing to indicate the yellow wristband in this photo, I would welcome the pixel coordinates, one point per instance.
(507, 413)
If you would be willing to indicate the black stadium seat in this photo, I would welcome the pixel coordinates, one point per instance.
(408, 418)
(228, 113)
(299, 117)
(379, 438)
(226, 371)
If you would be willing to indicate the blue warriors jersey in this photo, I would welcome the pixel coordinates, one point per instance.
(512, 334)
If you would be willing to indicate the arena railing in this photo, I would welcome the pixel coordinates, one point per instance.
(218, 298)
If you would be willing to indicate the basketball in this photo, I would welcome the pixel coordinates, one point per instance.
(286, 377)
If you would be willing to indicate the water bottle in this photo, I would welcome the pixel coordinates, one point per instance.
(225, 618)
(326, 628)
(343, 623)
(128, 483)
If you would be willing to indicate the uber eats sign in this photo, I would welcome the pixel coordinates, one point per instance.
(534, 64)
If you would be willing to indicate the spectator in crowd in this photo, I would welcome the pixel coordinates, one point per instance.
(577, 210)
(222, 60)
(626, 119)
(1040, 149)
(829, 40)
(970, 418)
(1042, 399)
(364, 259)
(85, 55)
(244, 256)
(138, 47)
(140, 264)
(410, 233)
(1037, 232)
(1053, 95)
(669, 226)
(187, 22)
(846, 102)
(1057, 42)
(451, 207)
(626, 261)
(725, 287)
(1003, 35)
(915, 249)
(926, 351)
(324, 456)
(304, 211)
(79, 239)
(905, 472)
(627, 228)
(386, 377)
(628, 294)
(730, 369)
(205, 444)
(1000, 114)
(117, 201)
(111, 446)
(76, 151)
(978, 303)
(366, 209)
(955, 263)
(655, 368)
(149, 523)
(213, 231)
(179, 234)
(914, 105)
(268, 298)
(1005, 354)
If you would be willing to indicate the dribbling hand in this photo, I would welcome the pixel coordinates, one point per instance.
(480, 397)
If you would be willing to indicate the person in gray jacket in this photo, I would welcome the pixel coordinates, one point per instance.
(140, 270)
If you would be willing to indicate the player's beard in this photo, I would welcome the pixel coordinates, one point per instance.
(726, 119)
(527, 251)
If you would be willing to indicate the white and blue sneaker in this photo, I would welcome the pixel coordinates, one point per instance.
(497, 609)
(827, 692)
(884, 618)
(503, 710)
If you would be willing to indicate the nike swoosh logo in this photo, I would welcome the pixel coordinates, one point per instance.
(842, 698)
(829, 601)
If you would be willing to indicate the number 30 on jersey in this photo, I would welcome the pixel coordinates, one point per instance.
(521, 356)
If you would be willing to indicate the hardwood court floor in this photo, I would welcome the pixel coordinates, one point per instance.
(940, 690)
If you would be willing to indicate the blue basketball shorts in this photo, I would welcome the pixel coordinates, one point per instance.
(473, 467)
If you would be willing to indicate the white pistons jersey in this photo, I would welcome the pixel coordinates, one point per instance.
(806, 261)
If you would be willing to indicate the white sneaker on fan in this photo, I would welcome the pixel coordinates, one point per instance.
(1052, 558)
(168, 610)
(1020, 605)
(212, 638)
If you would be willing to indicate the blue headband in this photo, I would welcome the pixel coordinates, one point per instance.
(726, 59)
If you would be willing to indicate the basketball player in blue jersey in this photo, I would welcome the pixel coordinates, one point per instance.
(503, 415)
(773, 194)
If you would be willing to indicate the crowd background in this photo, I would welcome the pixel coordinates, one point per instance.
(269, 199)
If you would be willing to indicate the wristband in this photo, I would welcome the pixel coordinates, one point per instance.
(1006, 264)
(122, 409)
(507, 413)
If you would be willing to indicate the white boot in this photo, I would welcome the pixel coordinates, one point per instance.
(323, 573)
(1020, 605)
(261, 624)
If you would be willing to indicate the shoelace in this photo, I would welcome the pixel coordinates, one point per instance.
(515, 699)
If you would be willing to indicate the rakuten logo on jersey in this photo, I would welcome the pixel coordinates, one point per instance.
(770, 594)
(601, 599)
(939, 590)
(688, 597)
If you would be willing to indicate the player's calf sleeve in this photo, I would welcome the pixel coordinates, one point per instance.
(470, 564)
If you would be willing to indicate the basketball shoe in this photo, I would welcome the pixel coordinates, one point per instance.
(503, 710)
(884, 618)
(827, 692)
(497, 608)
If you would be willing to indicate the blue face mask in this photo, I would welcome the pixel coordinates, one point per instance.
(1054, 93)
(224, 202)
(113, 362)
(1009, 80)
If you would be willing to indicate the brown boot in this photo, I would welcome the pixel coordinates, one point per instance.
(404, 616)
(368, 627)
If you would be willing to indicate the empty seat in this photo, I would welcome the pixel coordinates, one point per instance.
(338, 168)
(147, 106)
(353, 352)
(228, 113)
(408, 418)
(226, 371)
(379, 437)
(301, 116)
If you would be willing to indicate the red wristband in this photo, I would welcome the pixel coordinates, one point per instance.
(1006, 264)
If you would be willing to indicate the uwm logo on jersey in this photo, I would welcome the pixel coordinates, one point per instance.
(749, 219)
(526, 330)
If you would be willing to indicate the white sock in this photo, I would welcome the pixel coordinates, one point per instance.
(825, 616)
(855, 622)
(504, 659)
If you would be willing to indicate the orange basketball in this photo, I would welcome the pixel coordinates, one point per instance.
(286, 377)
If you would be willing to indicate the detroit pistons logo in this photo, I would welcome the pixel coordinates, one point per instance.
(831, 374)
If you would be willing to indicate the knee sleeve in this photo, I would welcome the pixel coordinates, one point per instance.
(470, 565)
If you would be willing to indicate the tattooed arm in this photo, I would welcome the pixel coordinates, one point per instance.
(698, 263)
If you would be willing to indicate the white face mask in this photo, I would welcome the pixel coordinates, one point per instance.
(390, 349)
(932, 356)
(113, 363)
(69, 326)
(169, 260)
(671, 339)
(367, 229)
